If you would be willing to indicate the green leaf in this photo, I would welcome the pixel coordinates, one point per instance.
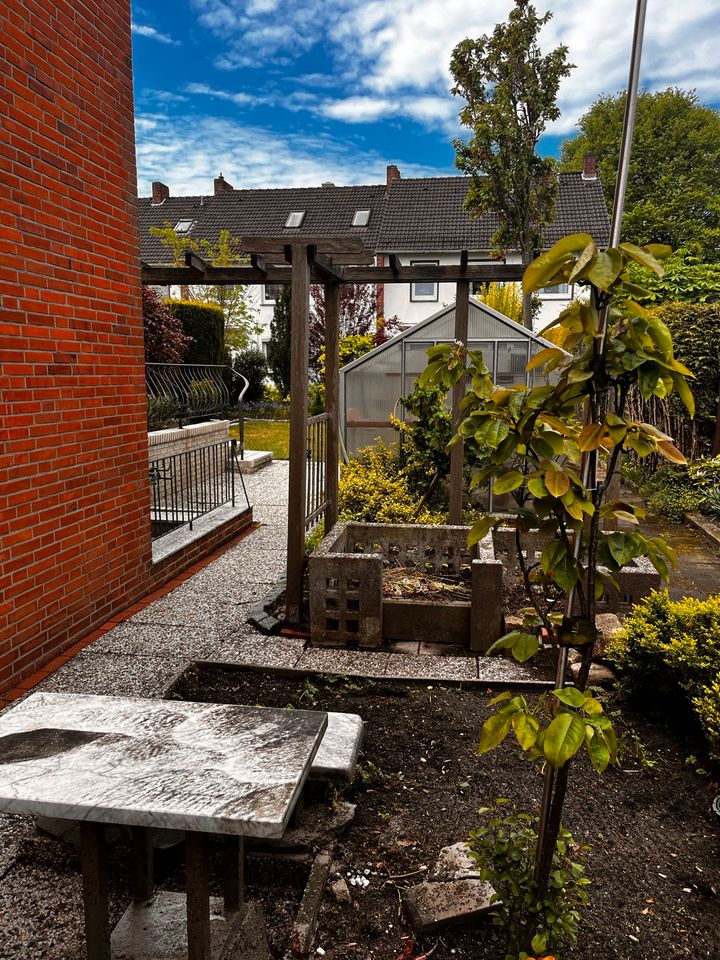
(549, 353)
(493, 732)
(526, 729)
(539, 942)
(684, 392)
(508, 481)
(571, 696)
(544, 268)
(565, 573)
(563, 738)
(492, 432)
(591, 436)
(605, 269)
(557, 483)
(526, 646)
(552, 553)
(480, 530)
(597, 748)
(643, 256)
(537, 488)
(584, 261)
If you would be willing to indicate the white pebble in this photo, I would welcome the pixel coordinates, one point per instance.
(320, 951)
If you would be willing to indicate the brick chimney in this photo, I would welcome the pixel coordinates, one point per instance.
(222, 186)
(590, 165)
(392, 173)
(160, 193)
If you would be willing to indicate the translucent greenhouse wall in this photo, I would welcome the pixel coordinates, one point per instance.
(372, 386)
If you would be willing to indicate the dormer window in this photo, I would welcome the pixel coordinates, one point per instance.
(183, 226)
(295, 219)
(361, 218)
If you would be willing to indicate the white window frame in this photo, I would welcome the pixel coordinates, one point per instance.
(295, 215)
(552, 293)
(359, 213)
(266, 300)
(422, 298)
(190, 224)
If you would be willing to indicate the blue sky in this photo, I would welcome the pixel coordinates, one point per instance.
(283, 93)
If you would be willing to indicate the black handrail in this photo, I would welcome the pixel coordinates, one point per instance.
(184, 392)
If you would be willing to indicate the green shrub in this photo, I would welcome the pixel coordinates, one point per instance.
(669, 653)
(711, 505)
(316, 399)
(672, 491)
(423, 453)
(372, 489)
(204, 322)
(252, 365)
(505, 849)
(707, 707)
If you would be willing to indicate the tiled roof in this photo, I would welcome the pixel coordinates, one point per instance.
(416, 215)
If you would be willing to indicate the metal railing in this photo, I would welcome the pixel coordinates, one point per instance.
(179, 393)
(186, 486)
(316, 500)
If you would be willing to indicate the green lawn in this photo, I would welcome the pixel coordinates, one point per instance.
(271, 435)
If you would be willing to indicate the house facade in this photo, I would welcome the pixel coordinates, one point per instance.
(415, 220)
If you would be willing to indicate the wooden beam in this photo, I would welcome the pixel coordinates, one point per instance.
(462, 293)
(257, 262)
(300, 309)
(196, 262)
(332, 401)
(448, 273)
(394, 263)
(463, 259)
(164, 275)
(324, 269)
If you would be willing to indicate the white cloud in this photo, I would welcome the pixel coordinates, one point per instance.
(187, 153)
(391, 58)
(145, 30)
(240, 98)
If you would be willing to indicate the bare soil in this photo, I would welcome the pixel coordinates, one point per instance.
(653, 837)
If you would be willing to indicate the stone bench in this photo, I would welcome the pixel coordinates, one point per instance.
(337, 754)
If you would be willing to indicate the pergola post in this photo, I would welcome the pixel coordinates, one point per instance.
(299, 358)
(462, 294)
(332, 400)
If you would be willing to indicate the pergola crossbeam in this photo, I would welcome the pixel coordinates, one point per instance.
(164, 275)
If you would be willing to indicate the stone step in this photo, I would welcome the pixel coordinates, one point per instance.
(337, 754)
(254, 460)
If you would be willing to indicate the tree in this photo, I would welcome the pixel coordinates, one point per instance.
(239, 314)
(165, 339)
(673, 193)
(280, 340)
(358, 317)
(511, 92)
(527, 440)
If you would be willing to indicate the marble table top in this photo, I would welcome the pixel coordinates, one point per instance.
(156, 763)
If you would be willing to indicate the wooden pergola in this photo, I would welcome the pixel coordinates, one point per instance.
(330, 262)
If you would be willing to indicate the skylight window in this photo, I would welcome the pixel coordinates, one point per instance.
(182, 226)
(295, 219)
(361, 218)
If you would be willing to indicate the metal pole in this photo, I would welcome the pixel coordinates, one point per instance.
(588, 462)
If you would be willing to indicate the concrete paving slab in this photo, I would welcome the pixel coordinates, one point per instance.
(133, 639)
(345, 662)
(116, 674)
(267, 651)
(405, 667)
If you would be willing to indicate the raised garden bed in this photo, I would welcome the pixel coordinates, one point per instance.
(348, 604)
(371, 582)
(652, 859)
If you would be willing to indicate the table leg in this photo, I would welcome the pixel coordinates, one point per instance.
(197, 880)
(234, 880)
(95, 894)
(142, 864)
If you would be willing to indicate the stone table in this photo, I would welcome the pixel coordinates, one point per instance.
(202, 768)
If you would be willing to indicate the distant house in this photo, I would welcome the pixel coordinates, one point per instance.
(419, 220)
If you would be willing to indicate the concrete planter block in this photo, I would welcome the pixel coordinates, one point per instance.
(347, 607)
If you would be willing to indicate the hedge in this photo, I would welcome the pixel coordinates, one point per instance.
(205, 323)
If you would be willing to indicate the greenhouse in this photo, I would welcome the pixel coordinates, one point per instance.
(371, 387)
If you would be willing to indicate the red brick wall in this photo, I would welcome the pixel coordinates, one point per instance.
(74, 501)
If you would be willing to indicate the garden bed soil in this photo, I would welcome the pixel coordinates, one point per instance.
(653, 838)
